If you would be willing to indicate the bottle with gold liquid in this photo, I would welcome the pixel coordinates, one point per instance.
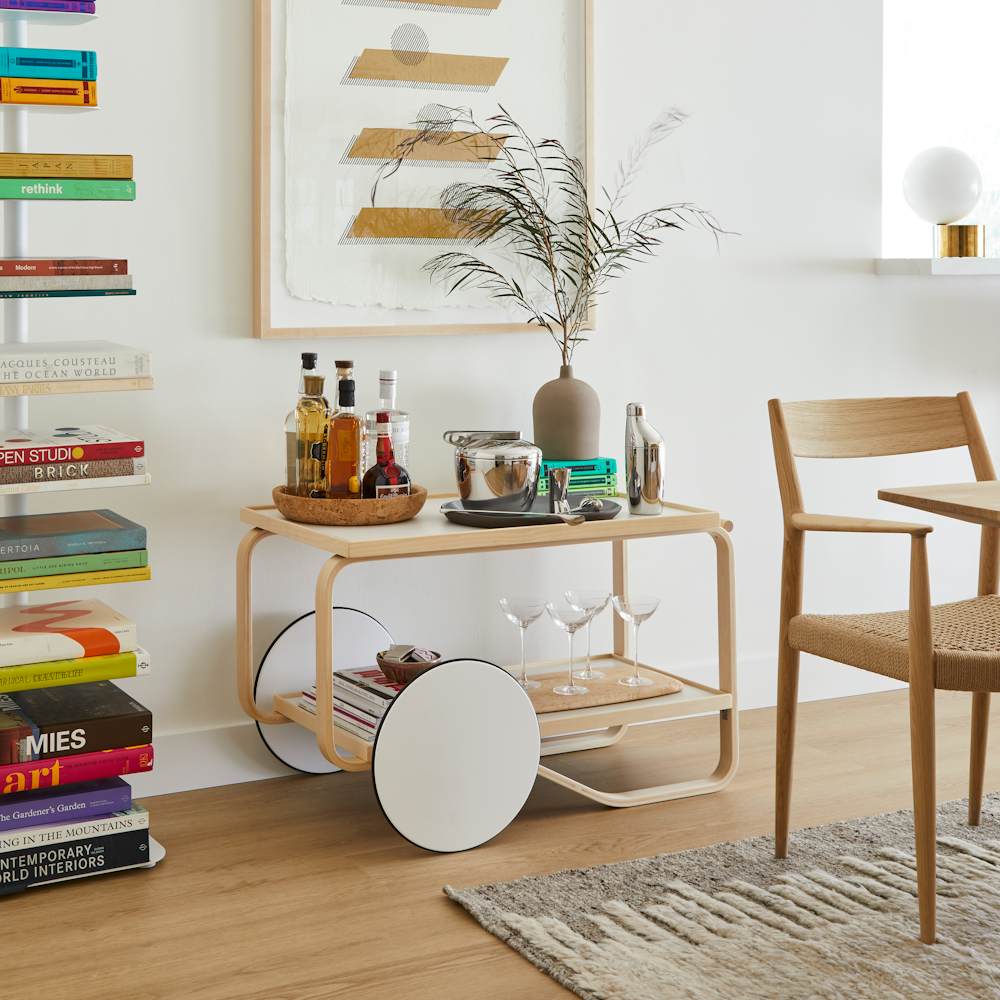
(343, 446)
(311, 416)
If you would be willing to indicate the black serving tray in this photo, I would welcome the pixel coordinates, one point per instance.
(486, 518)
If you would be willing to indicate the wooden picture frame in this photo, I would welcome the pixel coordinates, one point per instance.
(263, 321)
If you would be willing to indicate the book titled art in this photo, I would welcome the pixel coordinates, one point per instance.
(53, 772)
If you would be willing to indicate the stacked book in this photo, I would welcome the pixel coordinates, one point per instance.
(40, 368)
(70, 458)
(65, 742)
(66, 77)
(596, 477)
(71, 549)
(360, 699)
(55, 6)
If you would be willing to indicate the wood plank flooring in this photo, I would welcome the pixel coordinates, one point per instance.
(297, 889)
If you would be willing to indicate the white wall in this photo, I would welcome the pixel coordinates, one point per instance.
(784, 144)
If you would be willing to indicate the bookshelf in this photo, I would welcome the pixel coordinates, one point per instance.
(16, 228)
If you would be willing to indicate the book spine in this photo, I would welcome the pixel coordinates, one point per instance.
(12, 267)
(55, 454)
(373, 706)
(66, 283)
(13, 475)
(106, 482)
(55, 64)
(64, 580)
(74, 830)
(66, 189)
(32, 775)
(90, 736)
(98, 562)
(65, 804)
(353, 690)
(42, 365)
(48, 546)
(66, 93)
(38, 866)
(84, 670)
(74, 293)
(59, 6)
(66, 165)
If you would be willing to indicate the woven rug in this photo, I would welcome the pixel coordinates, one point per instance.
(837, 920)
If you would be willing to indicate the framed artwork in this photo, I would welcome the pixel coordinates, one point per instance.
(339, 85)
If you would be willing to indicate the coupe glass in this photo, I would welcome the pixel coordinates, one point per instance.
(635, 610)
(593, 602)
(570, 621)
(522, 611)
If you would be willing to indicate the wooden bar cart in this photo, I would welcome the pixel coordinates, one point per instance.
(571, 729)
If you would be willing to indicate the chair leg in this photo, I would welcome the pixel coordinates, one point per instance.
(788, 697)
(924, 804)
(977, 754)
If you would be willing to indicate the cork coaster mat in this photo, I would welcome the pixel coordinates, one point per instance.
(606, 691)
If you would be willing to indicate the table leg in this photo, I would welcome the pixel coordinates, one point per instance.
(324, 667)
(619, 586)
(244, 628)
(728, 725)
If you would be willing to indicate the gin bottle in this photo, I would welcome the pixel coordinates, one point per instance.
(399, 422)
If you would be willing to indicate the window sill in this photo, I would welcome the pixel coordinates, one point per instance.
(968, 267)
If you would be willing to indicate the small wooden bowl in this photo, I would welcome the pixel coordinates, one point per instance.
(388, 510)
(403, 673)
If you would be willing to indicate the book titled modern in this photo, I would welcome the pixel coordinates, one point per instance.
(70, 803)
(56, 771)
(46, 267)
(83, 670)
(71, 362)
(68, 533)
(113, 166)
(65, 189)
(39, 633)
(56, 64)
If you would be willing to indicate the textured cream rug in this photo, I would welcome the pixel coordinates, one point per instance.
(837, 920)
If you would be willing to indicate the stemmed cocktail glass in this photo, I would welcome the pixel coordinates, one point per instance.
(522, 612)
(570, 621)
(593, 602)
(635, 610)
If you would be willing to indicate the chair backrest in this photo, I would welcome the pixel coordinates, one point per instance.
(861, 428)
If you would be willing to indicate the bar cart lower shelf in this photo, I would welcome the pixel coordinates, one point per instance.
(561, 731)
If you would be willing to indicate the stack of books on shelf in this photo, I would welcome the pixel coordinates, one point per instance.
(360, 699)
(66, 77)
(87, 366)
(71, 549)
(65, 742)
(70, 458)
(596, 477)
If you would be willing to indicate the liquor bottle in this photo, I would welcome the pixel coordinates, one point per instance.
(292, 429)
(386, 478)
(343, 449)
(311, 415)
(398, 419)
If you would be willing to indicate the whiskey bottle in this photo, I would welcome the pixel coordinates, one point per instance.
(399, 422)
(311, 415)
(386, 478)
(343, 450)
(292, 429)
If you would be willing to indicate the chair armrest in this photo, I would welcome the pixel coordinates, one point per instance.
(868, 525)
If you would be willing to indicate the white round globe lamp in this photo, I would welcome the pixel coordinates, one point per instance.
(942, 184)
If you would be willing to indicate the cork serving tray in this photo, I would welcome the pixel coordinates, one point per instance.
(606, 691)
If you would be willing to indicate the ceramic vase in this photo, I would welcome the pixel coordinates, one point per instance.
(567, 418)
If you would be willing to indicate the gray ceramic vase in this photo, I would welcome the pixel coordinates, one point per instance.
(567, 417)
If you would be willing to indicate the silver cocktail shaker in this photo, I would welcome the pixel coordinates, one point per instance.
(643, 463)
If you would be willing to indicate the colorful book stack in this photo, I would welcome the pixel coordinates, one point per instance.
(360, 699)
(70, 549)
(67, 735)
(70, 458)
(596, 477)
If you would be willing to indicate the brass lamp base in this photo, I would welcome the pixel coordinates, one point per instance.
(960, 240)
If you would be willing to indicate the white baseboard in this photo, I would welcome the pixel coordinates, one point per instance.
(229, 755)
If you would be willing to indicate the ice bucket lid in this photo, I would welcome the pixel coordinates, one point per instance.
(493, 445)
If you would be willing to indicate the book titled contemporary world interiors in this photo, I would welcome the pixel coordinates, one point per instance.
(71, 362)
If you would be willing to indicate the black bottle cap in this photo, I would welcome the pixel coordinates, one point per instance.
(309, 361)
(345, 391)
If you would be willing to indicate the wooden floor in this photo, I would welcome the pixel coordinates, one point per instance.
(297, 889)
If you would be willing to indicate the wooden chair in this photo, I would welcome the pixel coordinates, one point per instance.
(952, 647)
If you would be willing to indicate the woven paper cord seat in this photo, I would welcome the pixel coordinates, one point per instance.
(966, 642)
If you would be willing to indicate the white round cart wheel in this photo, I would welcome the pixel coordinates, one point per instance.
(290, 665)
(456, 755)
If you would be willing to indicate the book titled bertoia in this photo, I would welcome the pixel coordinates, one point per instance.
(71, 362)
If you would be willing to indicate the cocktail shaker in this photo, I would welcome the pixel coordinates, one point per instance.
(643, 463)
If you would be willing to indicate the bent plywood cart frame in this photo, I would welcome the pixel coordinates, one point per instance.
(564, 731)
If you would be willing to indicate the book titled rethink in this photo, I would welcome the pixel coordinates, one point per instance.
(70, 189)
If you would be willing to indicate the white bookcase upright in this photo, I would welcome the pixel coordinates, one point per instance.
(16, 328)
